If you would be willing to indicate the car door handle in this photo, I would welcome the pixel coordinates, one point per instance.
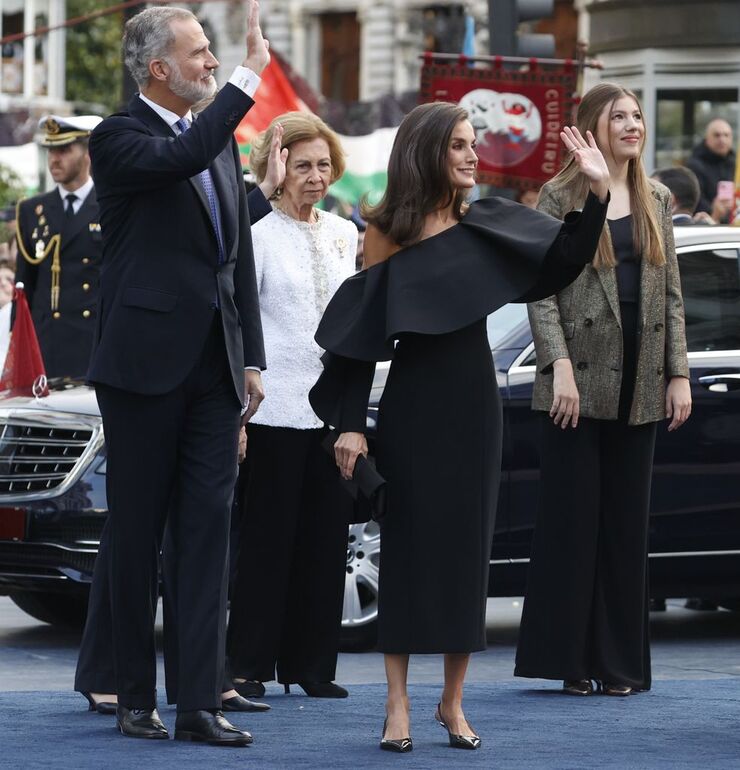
(720, 383)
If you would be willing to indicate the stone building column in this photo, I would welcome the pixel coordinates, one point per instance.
(377, 36)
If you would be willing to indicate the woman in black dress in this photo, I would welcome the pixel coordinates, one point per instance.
(611, 363)
(435, 269)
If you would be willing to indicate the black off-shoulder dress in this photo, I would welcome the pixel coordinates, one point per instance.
(439, 425)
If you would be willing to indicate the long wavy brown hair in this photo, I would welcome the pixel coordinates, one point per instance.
(646, 231)
(418, 178)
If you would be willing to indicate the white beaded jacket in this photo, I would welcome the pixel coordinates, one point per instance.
(299, 267)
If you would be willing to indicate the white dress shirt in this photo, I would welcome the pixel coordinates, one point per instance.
(5, 313)
(299, 267)
(80, 194)
(242, 77)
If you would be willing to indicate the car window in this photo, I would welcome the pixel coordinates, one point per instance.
(710, 283)
(503, 322)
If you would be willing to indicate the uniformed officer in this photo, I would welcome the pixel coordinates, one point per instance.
(60, 249)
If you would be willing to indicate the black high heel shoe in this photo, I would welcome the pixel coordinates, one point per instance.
(471, 742)
(103, 707)
(399, 745)
(320, 689)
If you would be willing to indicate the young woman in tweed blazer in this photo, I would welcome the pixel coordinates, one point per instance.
(611, 363)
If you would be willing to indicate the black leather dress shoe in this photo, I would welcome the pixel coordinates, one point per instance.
(250, 689)
(140, 723)
(237, 703)
(102, 707)
(209, 727)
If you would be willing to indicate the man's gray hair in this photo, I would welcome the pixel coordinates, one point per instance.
(147, 36)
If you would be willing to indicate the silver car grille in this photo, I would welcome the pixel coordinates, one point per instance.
(38, 457)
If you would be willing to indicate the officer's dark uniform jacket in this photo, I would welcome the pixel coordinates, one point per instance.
(63, 309)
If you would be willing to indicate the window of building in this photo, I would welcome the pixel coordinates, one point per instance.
(340, 56)
(11, 66)
(682, 116)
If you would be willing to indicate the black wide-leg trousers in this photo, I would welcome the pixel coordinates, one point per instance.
(286, 602)
(586, 610)
(171, 457)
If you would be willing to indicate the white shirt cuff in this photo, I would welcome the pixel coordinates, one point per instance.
(252, 369)
(245, 80)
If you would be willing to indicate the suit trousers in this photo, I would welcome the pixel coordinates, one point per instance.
(95, 666)
(286, 602)
(586, 610)
(171, 457)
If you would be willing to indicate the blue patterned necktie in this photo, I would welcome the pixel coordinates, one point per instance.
(207, 181)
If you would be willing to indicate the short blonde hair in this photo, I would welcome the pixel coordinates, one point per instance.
(297, 127)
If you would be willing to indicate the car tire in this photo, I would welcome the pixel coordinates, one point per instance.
(64, 610)
(360, 607)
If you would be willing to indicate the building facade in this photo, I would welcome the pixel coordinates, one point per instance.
(682, 57)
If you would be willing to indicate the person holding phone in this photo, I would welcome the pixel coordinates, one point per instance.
(713, 161)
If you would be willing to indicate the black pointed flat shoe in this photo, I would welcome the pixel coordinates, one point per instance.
(102, 707)
(250, 689)
(470, 742)
(578, 687)
(320, 689)
(398, 745)
(237, 703)
(618, 690)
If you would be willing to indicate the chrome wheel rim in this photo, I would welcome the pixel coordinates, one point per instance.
(361, 579)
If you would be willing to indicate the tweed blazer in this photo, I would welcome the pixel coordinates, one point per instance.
(583, 323)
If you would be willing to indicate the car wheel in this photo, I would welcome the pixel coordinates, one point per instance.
(360, 608)
(66, 610)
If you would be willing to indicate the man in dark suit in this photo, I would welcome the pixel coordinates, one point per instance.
(60, 249)
(685, 193)
(177, 356)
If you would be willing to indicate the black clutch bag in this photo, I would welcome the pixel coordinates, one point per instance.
(367, 487)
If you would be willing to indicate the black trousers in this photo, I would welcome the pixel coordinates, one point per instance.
(171, 453)
(586, 609)
(96, 670)
(286, 602)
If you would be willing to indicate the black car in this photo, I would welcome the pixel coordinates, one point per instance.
(52, 468)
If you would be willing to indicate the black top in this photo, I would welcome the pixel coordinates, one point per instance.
(628, 261)
(500, 252)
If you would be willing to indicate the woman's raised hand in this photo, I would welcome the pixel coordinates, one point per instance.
(276, 160)
(587, 155)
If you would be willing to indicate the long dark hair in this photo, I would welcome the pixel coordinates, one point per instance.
(418, 179)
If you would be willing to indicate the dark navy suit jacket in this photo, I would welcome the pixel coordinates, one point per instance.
(160, 278)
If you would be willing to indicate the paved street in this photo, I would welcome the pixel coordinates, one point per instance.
(689, 720)
(686, 645)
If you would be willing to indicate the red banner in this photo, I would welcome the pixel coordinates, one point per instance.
(23, 372)
(517, 115)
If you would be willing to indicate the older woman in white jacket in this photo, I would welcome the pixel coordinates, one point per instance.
(287, 595)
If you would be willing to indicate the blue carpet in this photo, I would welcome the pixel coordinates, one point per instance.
(524, 724)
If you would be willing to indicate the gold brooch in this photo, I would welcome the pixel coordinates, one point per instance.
(342, 246)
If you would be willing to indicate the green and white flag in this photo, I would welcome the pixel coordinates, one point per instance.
(367, 166)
